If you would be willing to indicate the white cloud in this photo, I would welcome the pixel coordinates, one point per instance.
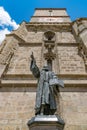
(5, 22)
(3, 33)
(5, 19)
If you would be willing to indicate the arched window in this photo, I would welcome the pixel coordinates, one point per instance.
(49, 35)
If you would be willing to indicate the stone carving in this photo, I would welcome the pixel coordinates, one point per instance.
(49, 55)
(49, 44)
(47, 87)
(49, 36)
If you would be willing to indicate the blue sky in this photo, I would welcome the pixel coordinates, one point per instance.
(19, 10)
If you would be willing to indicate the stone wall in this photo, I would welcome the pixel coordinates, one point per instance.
(35, 37)
(69, 60)
(74, 110)
(17, 107)
(46, 12)
(20, 63)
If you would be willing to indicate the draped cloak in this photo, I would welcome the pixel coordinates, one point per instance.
(45, 93)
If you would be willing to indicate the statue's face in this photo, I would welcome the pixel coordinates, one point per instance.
(46, 68)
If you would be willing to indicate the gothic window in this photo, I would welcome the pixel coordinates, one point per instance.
(49, 35)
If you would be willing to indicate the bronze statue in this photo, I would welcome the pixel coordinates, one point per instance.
(47, 87)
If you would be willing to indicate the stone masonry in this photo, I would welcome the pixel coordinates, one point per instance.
(17, 84)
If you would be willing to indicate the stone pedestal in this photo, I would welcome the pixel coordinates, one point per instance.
(44, 122)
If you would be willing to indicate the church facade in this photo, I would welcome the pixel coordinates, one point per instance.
(54, 40)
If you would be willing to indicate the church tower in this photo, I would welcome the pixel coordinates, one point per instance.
(61, 44)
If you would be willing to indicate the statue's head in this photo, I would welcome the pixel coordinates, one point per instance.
(46, 68)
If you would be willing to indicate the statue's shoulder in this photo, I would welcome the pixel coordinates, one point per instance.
(51, 72)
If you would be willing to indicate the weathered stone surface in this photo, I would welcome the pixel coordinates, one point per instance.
(73, 105)
(69, 60)
(21, 60)
(46, 12)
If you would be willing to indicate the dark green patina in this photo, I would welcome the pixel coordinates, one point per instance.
(47, 87)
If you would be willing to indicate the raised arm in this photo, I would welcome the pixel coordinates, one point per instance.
(34, 68)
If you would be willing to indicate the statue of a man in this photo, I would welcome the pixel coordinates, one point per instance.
(47, 88)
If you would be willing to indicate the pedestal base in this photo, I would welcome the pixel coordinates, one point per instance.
(46, 122)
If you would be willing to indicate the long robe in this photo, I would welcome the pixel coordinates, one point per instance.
(45, 93)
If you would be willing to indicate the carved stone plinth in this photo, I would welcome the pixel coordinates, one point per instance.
(44, 122)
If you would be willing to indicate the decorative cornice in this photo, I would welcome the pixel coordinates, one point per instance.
(70, 85)
(51, 16)
(30, 76)
(49, 45)
(47, 23)
(67, 44)
(18, 76)
(79, 20)
(46, 43)
(16, 36)
(50, 8)
(70, 80)
(30, 44)
(46, 26)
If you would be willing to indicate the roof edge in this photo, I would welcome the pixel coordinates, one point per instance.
(51, 16)
(79, 19)
(50, 8)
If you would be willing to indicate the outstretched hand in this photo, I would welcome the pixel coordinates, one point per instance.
(32, 56)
